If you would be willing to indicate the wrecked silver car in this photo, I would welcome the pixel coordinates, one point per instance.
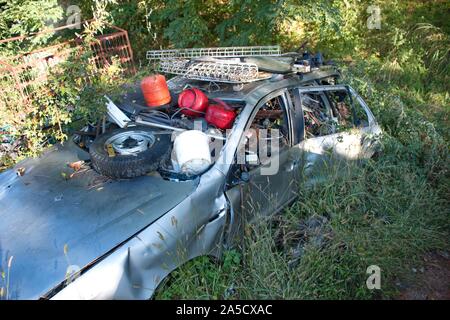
(109, 215)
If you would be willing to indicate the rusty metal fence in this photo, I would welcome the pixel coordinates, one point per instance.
(116, 44)
(24, 72)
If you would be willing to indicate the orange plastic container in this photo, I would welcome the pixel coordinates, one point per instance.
(155, 90)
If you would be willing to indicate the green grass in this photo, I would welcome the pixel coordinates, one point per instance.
(383, 213)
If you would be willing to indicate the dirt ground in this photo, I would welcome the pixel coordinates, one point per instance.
(432, 280)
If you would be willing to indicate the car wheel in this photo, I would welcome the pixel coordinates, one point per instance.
(129, 152)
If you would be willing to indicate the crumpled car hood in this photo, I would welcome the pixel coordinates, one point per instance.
(50, 221)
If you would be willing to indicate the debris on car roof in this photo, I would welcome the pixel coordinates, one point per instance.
(233, 64)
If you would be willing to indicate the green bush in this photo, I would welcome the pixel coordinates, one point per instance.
(22, 17)
(71, 96)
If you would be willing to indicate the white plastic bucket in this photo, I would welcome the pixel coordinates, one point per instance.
(192, 152)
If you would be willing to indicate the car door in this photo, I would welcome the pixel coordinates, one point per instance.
(356, 130)
(334, 126)
(314, 129)
(261, 180)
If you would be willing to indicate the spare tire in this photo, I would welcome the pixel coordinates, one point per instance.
(129, 152)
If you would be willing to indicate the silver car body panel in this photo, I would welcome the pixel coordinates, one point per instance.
(134, 270)
(51, 223)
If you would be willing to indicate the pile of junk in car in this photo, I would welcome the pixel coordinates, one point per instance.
(111, 212)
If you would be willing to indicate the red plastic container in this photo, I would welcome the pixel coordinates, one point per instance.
(193, 102)
(220, 115)
(155, 90)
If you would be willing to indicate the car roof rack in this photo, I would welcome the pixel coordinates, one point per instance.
(223, 64)
(220, 52)
(217, 71)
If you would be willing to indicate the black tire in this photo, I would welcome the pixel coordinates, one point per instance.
(129, 166)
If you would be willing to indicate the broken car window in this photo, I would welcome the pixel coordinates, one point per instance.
(347, 110)
(270, 116)
(317, 116)
(361, 117)
(270, 123)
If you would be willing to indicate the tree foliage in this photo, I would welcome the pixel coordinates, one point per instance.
(22, 17)
(71, 94)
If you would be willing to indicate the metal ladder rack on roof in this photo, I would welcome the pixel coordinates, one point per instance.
(217, 71)
(224, 52)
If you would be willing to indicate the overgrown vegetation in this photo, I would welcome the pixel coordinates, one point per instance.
(388, 212)
(65, 97)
